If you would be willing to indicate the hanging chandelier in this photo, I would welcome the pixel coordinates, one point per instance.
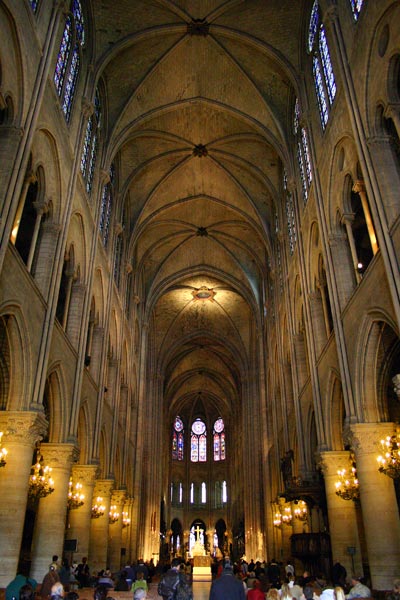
(40, 481)
(3, 453)
(347, 484)
(287, 515)
(75, 496)
(301, 511)
(277, 519)
(389, 460)
(125, 520)
(98, 509)
(113, 515)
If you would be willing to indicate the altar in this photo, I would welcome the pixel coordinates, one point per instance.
(201, 561)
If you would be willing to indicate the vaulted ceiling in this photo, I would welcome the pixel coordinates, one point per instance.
(199, 96)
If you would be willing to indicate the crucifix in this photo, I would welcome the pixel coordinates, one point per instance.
(197, 532)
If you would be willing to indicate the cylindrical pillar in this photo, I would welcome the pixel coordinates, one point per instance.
(21, 432)
(79, 518)
(378, 503)
(341, 513)
(115, 531)
(98, 543)
(48, 537)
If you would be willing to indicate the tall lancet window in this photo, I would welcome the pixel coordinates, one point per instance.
(290, 215)
(90, 144)
(177, 439)
(324, 78)
(69, 57)
(219, 439)
(303, 153)
(106, 207)
(198, 441)
(356, 6)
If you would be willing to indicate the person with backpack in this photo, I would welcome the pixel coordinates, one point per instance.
(173, 584)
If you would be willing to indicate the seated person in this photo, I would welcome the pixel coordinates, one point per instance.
(358, 589)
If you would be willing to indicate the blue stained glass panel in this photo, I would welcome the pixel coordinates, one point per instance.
(90, 175)
(86, 146)
(313, 27)
(327, 65)
(302, 172)
(71, 83)
(34, 5)
(62, 59)
(79, 24)
(319, 86)
(180, 446)
(356, 6)
(306, 153)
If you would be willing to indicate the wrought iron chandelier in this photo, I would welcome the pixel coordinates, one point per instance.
(301, 511)
(389, 460)
(41, 483)
(113, 515)
(3, 453)
(125, 519)
(98, 509)
(75, 496)
(347, 484)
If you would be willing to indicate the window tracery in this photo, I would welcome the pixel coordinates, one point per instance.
(69, 57)
(198, 441)
(219, 440)
(324, 78)
(177, 439)
(90, 144)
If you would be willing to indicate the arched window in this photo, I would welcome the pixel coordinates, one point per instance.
(192, 493)
(69, 57)
(106, 207)
(290, 215)
(356, 6)
(198, 441)
(224, 492)
(303, 153)
(90, 144)
(177, 439)
(203, 493)
(324, 79)
(219, 439)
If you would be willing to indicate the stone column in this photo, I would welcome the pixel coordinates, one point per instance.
(98, 543)
(79, 518)
(126, 530)
(115, 532)
(21, 432)
(48, 537)
(378, 503)
(341, 513)
(286, 532)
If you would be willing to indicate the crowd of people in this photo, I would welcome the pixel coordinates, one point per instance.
(230, 581)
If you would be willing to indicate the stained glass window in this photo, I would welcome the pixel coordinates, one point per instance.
(177, 439)
(34, 5)
(356, 6)
(219, 439)
(69, 57)
(90, 143)
(290, 216)
(118, 259)
(324, 78)
(303, 154)
(198, 442)
(106, 208)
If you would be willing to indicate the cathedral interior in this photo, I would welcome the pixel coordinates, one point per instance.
(199, 282)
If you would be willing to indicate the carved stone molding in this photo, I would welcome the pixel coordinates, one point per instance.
(200, 150)
(366, 437)
(359, 186)
(23, 426)
(86, 474)
(104, 487)
(118, 497)
(331, 461)
(87, 107)
(59, 455)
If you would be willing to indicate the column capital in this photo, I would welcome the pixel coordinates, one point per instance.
(86, 474)
(366, 437)
(104, 487)
(118, 497)
(87, 107)
(23, 426)
(358, 186)
(59, 455)
(334, 460)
